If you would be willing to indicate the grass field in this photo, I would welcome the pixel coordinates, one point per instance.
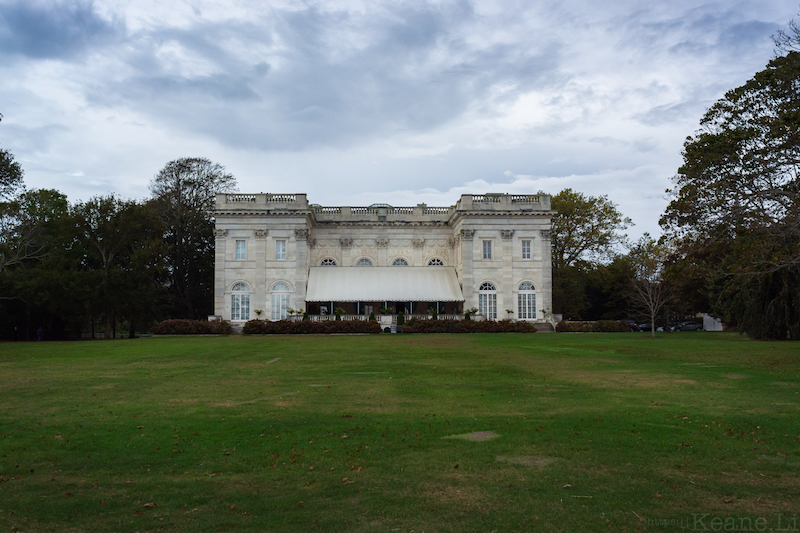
(591, 432)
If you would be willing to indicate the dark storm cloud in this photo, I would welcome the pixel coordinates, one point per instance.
(53, 29)
(333, 78)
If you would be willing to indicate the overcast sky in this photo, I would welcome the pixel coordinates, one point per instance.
(357, 102)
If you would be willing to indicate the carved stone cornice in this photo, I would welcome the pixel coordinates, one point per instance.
(301, 234)
(220, 233)
(261, 233)
(418, 243)
(506, 234)
(346, 242)
(382, 243)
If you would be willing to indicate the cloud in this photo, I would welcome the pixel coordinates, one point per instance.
(61, 30)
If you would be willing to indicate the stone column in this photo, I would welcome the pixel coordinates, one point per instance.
(301, 268)
(260, 254)
(547, 273)
(383, 251)
(506, 238)
(418, 244)
(470, 296)
(220, 248)
(346, 243)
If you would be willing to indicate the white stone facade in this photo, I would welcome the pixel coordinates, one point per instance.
(266, 240)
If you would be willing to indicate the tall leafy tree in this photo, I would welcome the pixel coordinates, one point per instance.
(10, 175)
(115, 234)
(737, 194)
(586, 232)
(183, 193)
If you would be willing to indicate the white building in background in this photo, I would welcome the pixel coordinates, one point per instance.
(276, 251)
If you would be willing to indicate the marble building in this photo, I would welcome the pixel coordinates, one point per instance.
(276, 252)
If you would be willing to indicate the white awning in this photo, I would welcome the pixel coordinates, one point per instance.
(378, 284)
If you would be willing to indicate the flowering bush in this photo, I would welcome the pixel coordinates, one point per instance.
(192, 327)
(258, 327)
(416, 325)
(601, 326)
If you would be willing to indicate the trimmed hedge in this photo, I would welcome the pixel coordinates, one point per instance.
(305, 327)
(601, 326)
(416, 325)
(192, 327)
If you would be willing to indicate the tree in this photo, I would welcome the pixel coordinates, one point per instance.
(585, 233)
(113, 234)
(737, 193)
(10, 175)
(651, 291)
(183, 194)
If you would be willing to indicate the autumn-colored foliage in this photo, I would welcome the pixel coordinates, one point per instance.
(416, 325)
(192, 327)
(305, 327)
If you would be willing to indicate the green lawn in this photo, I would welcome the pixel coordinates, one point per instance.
(596, 432)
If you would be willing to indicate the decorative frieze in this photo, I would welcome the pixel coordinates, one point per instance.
(261, 233)
(346, 242)
(382, 243)
(220, 233)
(418, 243)
(467, 234)
(451, 242)
(506, 234)
(301, 234)
(312, 243)
(546, 234)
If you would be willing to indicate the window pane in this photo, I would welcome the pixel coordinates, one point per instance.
(280, 249)
(240, 250)
(526, 249)
(280, 306)
(487, 249)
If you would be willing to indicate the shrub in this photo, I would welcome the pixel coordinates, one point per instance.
(192, 327)
(416, 325)
(601, 326)
(305, 327)
(401, 318)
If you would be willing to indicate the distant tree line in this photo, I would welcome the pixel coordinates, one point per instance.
(107, 263)
(731, 243)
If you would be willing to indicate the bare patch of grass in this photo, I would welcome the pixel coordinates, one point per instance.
(475, 436)
(527, 460)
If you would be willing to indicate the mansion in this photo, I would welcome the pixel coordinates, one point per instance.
(276, 253)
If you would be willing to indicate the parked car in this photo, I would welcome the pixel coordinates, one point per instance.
(632, 324)
(691, 326)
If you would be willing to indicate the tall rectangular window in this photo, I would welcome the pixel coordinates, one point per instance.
(526, 306)
(526, 249)
(280, 250)
(240, 307)
(280, 306)
(241, 250)
(487, 306)
(487, 249)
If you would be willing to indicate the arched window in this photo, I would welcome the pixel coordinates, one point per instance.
(363, 262)
(328, 263)
(399, 262)
(435, 262)
(526, 301)
(240, 302)
(487, 300)
(280, 301)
